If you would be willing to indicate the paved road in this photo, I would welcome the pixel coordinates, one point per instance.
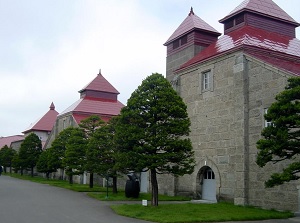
(27, 202)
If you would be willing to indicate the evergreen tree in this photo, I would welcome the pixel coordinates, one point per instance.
(43, 163)
(30, 151)
(6, 156)
(89, 125)
(152, 132)
(100, 152)
(74, 159)
(281, 139)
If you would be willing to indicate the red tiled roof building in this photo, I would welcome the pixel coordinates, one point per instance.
(228, 82)
(98, 97)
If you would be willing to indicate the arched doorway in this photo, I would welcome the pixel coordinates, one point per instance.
(207, 184)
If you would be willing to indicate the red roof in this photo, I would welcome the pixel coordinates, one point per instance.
(95, 106)
(252, 37)
(79, 117)
(9, 139)
(191, 23)
(45, 123)
(100, 84)
(266, 7)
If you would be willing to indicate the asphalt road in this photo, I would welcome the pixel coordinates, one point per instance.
(27, 202)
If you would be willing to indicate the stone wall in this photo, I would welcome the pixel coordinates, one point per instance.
(226, 122)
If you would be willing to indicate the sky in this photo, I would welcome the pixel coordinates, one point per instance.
(51, 49)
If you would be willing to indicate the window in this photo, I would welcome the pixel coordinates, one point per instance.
(183, 40)
(176, 44)
(209, 174)
(266, 122)
(206, 80)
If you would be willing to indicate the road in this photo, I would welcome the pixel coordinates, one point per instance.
(27, 202)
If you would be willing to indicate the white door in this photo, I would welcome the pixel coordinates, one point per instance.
(144, 182)
(209, 185)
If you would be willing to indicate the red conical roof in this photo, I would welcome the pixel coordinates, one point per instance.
(191, 23)
(45, 123)
(100, 84)
(265, 7)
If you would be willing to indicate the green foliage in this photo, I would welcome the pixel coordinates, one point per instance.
(58, 148)
(100, 150)
(30, 151)
(281, 140)
(90, 124)
(6, 156)
(152, 129)
(74, 159)
(43, 163)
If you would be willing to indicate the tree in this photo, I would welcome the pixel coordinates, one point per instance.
(152, 132)
(281, 139)
(6, 156)
(74, 159)
(89, 125)
(58, 148)
(30, 151)
(43, 163)
(100, 152)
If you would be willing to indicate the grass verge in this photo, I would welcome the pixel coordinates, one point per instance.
(191, 212)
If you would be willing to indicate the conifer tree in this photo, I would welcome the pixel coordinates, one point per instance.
(281, 139)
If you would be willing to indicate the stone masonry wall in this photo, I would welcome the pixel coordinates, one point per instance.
(226, 122)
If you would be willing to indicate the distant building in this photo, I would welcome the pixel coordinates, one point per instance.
(98, 97)
(8, 140)
(43, 126)
(227, 84)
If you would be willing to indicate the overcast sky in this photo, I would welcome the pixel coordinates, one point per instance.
(50, 49)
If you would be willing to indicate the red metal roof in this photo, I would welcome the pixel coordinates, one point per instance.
(191, 23)
(9, 139)
(79, 117)
(100, 84)
(253, 37)
(95, 106)
(45, 123)
(265, 7)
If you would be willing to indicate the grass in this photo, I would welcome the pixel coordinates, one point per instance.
(175, 213)
(191, 212)
(143, 196)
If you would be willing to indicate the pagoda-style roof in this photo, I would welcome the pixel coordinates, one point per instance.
(98, 97)
(99, 83)
(45, 123)
(266, 8)
(192, 22)
(256, 41)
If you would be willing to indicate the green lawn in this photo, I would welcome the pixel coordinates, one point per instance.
(193, 212)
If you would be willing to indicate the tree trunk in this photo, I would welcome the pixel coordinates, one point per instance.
(154, 186)
(91, 180)
(71, 179)
(22, 172)
(115, 189)
(31, 171)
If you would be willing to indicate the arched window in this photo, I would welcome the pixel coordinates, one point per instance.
(209, 174)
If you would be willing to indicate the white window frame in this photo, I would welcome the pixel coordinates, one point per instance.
(266, 123)
(206, 80)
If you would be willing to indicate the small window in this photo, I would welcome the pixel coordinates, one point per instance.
(267, 124)
(239, 19)
(176, 44)
(209, 174)
(183, 40)
(229, 24)
(206, 80)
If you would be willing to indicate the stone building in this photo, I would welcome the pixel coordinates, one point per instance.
(228, 82)
(98, 97)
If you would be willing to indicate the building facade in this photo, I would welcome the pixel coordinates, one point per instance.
(228, 83)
